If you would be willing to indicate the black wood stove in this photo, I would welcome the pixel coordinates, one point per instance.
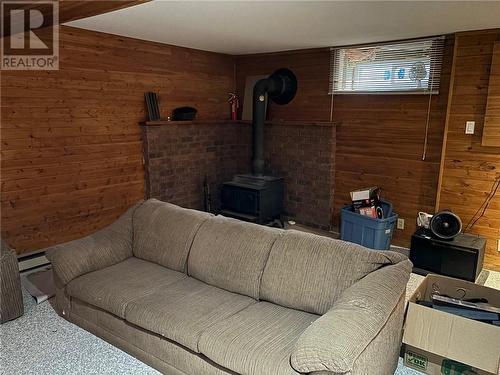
(258, 197)
(253, 198)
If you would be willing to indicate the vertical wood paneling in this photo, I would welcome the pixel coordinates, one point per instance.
(491, 131)
(70, 140)
(470, 169)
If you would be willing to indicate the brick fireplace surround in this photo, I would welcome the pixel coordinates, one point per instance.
(178, 155)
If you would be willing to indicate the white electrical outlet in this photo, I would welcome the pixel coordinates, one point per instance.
(469, 127)
(401, 223)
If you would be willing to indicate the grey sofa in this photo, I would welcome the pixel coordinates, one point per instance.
(191, 293)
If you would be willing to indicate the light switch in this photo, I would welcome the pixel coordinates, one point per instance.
(469, 127)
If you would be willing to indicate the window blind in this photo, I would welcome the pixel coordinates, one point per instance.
(412, 66)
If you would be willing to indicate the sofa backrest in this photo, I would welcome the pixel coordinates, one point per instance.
(309, 272)
(163, 233)
(231, 254)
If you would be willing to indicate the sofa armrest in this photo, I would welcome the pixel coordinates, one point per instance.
(104, 248)
(366, 319)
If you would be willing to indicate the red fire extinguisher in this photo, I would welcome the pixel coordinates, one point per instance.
(234, 102)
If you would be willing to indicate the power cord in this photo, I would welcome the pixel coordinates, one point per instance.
(484, 205)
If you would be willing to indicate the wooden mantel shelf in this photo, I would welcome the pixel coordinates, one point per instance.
(201, 122)
(208, 122)
(300, 123)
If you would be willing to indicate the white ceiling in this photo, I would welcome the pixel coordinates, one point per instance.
(241, 27)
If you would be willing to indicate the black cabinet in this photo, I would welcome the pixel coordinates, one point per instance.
(461, 257)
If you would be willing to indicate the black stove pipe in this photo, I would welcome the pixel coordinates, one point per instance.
(281, 87)
(261, 88)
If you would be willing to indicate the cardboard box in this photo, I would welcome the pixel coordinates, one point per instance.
(437, 343)
(364, 194)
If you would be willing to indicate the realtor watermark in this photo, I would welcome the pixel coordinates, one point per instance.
(30, 31)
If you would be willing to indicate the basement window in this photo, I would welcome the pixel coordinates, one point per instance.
(410, 67)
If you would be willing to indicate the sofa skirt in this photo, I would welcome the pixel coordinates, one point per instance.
(158, 352)
(169, 357)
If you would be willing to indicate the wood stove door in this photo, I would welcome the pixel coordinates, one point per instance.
(240, 199)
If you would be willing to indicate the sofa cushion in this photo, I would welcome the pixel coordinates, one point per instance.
(163, 233)
(256, 341)
(231, 254)
(182, 311)
(112, 288)
(309, 272)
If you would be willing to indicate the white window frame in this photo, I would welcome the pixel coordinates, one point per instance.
(428, 51)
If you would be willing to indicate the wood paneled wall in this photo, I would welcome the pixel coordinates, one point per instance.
(469, 169)
(379, 137)
(70, 139)
(491, 130)
(72, 157)
(380, 142)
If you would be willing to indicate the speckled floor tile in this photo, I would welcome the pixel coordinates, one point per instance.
(41, 342)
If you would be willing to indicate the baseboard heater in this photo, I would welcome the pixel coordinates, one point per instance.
(33, 260)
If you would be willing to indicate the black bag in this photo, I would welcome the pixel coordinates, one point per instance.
(184, 114)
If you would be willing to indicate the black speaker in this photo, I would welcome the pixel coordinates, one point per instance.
(460, 257)
(445, 225)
